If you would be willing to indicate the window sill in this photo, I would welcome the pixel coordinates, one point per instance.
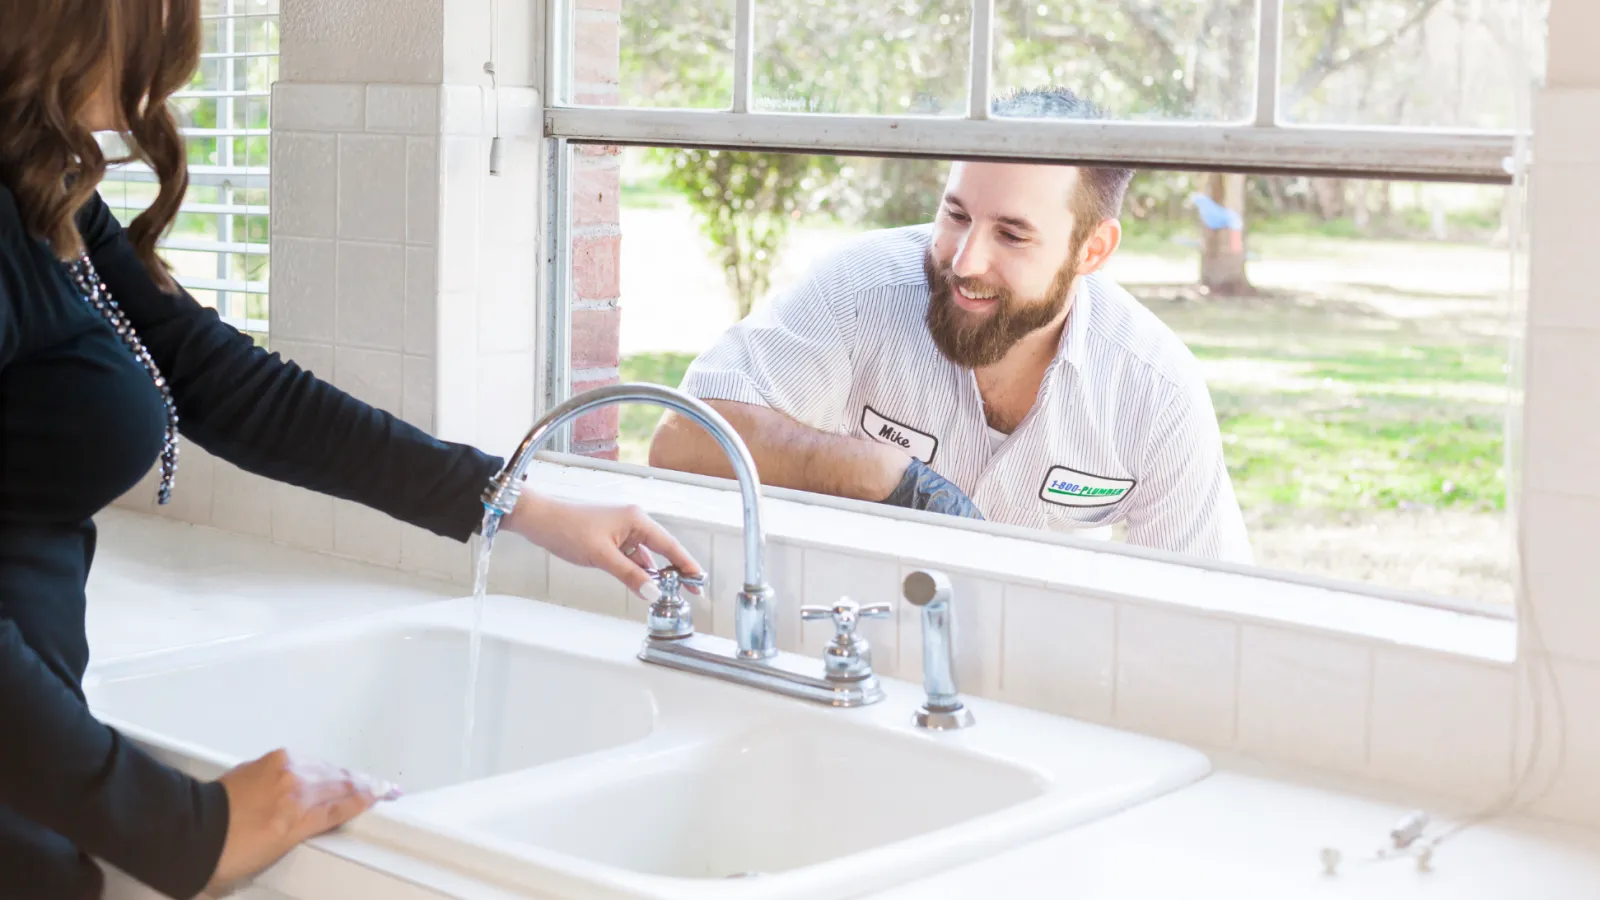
(1087, 567)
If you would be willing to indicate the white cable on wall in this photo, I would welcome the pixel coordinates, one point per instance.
(495, 157)
(1405, 840)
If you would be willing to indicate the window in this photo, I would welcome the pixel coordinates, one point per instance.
(1372, 148)
(218, 245)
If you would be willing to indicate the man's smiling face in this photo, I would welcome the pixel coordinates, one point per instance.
(1003, 259)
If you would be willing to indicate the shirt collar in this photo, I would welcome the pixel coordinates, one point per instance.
(1073, 349)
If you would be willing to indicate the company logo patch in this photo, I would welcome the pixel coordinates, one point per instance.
(1069, 487)
(885, 430)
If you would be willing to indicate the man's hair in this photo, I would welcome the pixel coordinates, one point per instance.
(1100, 188)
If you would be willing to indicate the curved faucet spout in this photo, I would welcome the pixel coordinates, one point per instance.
(753, 613)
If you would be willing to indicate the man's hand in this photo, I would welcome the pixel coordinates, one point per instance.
(923, 488)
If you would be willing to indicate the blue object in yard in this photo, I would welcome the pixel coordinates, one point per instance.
(1214, 216)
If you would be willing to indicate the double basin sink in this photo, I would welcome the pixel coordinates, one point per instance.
(592, 774)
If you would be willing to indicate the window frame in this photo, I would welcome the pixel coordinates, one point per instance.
(229, 175)
(1262, 145)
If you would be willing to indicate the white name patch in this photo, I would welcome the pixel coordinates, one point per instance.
(1069, 487)
(884, 430)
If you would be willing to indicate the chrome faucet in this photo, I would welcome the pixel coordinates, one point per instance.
(671, 639)
(753, 621)
(943, 709)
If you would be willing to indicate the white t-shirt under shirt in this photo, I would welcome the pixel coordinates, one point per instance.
(1123, 429)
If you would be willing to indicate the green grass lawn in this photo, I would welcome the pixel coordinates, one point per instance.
(638, 421)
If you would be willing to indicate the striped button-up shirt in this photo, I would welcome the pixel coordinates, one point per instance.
(1123, 429)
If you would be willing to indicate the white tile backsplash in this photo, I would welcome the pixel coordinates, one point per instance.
(374, 376)
(422, 301)
(1566, 121)
(304, 273)
(1441, 724)
(417, 395)
(831, 576)
(1559, 445)
(505, 400)
(440, 557)
(518, 567)
(403, 108)
(784, 571)
(1058, 652)
(1563, 584)
(521, 113)
(461, 109)
(510, 199)
(372, 187)
(456, 406)
(370, 299)
(461, 177)
(241, 501)
(422, 190)
(507, 304)
(316, 358)
(1564, 270)
(305, 184)
(1304, 698)
(1177, 674)
(591, 590)
(977, 607)
(317, 107)
(363, 533)
(1574, 792)
(302, 518)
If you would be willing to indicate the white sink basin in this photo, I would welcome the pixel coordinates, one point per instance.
(602, 776)
(390, 702)
(765, 802)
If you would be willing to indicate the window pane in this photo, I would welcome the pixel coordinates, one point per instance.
(673, 54)
(1418, 63)
(835, 56)
(1354, 339)
(1136, 59)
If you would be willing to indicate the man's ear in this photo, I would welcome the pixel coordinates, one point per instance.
(1102, 242)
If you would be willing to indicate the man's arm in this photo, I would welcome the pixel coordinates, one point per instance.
(1184, 501)
(787, 453)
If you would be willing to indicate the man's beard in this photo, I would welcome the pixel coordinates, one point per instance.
(972, 341)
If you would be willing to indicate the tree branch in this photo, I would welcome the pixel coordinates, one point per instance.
(1326, 65)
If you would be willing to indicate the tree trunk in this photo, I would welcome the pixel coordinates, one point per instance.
(1222, 252)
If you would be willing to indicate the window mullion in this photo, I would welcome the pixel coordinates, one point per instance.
(980, 69)
(744, 40)
(1269, 42)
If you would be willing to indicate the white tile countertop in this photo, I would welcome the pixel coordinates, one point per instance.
(1248, 831)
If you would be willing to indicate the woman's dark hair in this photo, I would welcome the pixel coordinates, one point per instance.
(54, 56)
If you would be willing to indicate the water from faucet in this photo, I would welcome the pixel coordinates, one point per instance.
(483, 546)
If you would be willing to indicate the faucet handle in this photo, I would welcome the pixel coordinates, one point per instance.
(846, 614)
(848, 657)
(671, 616)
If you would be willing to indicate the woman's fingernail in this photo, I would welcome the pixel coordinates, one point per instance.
(650, 592)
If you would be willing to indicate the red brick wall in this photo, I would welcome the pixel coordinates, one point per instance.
(596, 231)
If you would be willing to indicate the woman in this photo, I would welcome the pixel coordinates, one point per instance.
(101, 356)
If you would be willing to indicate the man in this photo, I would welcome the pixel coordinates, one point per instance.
(980, 366)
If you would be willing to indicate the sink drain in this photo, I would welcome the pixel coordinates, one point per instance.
(743, 875)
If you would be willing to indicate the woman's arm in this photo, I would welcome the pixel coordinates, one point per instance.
(67, 772)
(269, 416)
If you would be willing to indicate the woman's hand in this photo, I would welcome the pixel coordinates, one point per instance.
(615, 539)
(276, 802)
